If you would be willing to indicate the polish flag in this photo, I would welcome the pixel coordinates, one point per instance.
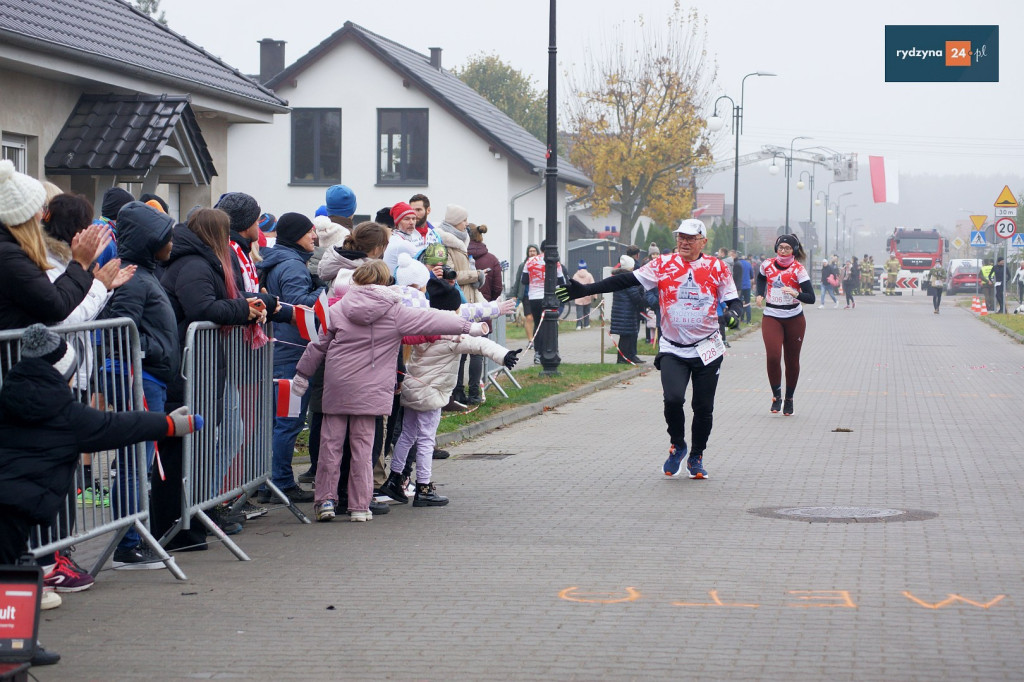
(700, 211)
(288, 404)
(885, 180)
(320, 308)
(305, 320)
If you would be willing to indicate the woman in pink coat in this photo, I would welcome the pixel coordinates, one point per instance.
(364, 331)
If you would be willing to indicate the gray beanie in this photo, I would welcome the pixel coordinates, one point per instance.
(241, 208)
(39, 342)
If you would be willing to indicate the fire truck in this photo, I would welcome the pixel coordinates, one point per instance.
(917, 250)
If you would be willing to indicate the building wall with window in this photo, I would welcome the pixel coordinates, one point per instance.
(34, 110)
(461, 166)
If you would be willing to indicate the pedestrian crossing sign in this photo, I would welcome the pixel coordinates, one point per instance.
(978, 238)
(1017, 240)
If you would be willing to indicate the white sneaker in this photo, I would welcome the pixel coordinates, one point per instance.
(821, 306)
(50, 600)
(360, 515)
(837, 305)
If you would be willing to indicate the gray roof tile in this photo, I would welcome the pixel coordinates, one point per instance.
(458, 98)
(123, 135)
(112, 34)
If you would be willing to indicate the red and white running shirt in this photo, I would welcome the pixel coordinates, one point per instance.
(688, 294)
(535, 271)
(782, 277)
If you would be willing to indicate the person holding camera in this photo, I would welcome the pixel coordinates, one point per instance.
(783, 285)
(690, 285)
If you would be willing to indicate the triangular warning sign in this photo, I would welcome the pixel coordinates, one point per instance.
(978, 239)
(1006, 198)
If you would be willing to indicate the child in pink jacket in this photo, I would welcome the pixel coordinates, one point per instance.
(430, 378)
(364, 331)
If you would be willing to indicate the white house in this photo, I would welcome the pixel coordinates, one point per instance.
(93, 93)
(390, 122)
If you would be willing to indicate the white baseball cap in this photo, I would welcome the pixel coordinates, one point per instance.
(692, 226)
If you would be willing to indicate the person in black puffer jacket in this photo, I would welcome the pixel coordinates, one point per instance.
(627, 304)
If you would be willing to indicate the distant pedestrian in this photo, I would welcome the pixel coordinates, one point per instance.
(936, 284)
(851, 280)
(627, 307)
(829, 282)
(999, 285)
(584, 277)
(783, 285)
(1018, 277)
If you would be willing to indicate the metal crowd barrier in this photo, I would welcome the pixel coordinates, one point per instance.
(493, 370)
(116, 497)
(231, 384)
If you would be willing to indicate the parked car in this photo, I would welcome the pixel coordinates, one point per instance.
(964, 278)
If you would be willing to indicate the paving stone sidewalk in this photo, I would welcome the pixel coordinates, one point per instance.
(566, 554)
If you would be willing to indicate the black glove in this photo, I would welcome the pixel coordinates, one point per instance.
(571, 290)
(511, 358)
(732, 320)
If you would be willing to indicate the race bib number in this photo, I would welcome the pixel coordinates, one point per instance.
(711, 348)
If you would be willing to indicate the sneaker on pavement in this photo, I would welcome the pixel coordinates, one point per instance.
(67, 576)
(787, 409)
(138, 558)
(776, 405)
(50, 600)
(360, 515)
(379, 508)
(264, 497)
(252, 511)
(695, 465)
(228, 521)
(307, 476)
(324, 511)
(441, 454)
(674, 464)
(297, 494)
(44, 657)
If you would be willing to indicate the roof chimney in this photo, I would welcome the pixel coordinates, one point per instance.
(435, 57)
(271, 58)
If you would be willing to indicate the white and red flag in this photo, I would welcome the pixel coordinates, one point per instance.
(305, 320)
(320, 308)
(288, 404)
(700, 211)
(885, 180)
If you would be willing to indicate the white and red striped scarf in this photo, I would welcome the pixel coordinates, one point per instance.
(249, 276)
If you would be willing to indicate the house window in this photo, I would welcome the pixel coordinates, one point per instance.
(402, 138)
(15, 148)
(316, 146)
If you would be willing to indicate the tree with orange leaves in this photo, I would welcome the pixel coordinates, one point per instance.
(635, 121)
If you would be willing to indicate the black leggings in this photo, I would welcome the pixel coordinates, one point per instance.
(783, 337)
(676, 373)
(848, 288)
(936, 296)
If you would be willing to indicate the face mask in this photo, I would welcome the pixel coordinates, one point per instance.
(785, 261)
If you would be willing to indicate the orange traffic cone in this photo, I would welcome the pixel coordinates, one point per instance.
(984, 308)
(976, 305)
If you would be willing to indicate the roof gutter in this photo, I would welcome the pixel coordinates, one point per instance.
(512, 225)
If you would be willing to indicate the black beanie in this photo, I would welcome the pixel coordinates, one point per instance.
(39, 342)
(443, 296)
(790, 239)
(291, 227)
(241, 208)
(113, 199)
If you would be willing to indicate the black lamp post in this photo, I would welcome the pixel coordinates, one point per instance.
(547, 338)
(715, 124)
(789, 175)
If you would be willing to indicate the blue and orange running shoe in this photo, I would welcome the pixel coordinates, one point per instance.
(674, 464)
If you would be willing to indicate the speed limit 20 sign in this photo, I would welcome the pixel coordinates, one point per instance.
(1006, 227)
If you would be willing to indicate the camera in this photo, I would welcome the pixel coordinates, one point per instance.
(447, 273)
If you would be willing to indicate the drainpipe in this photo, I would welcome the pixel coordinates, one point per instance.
(512, 264)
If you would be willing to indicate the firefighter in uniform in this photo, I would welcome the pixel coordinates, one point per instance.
(892, 269)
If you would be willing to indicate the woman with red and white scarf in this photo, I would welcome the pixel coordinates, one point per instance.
(783, 285)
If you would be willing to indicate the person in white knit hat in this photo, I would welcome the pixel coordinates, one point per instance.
(26, 293)
(328, 235)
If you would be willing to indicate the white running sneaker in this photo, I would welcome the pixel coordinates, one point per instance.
(50, 600)
(360, 515)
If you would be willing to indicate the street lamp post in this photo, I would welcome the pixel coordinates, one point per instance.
(548, 332)
(847, 236)
(789, 174)
(839, 202)
(817, 200)
(715, 124)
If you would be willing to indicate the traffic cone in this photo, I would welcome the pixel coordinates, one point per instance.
(976, 305)
(984, 309)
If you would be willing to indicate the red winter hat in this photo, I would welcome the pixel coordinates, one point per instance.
(401, 210)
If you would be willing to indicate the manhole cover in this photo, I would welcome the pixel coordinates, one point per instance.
(835, 514)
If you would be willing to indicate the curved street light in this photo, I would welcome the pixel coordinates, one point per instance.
(715, 123)
(789, 174)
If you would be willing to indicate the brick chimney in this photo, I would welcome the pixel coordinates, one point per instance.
(271, 58)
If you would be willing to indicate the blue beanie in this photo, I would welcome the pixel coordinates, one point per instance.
(322, 210)
(582, 265)
(341, 201)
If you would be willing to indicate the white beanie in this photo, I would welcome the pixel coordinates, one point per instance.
(626, 262)
(455, 214)
(411, 272)
(327, 233)
(21, 196)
